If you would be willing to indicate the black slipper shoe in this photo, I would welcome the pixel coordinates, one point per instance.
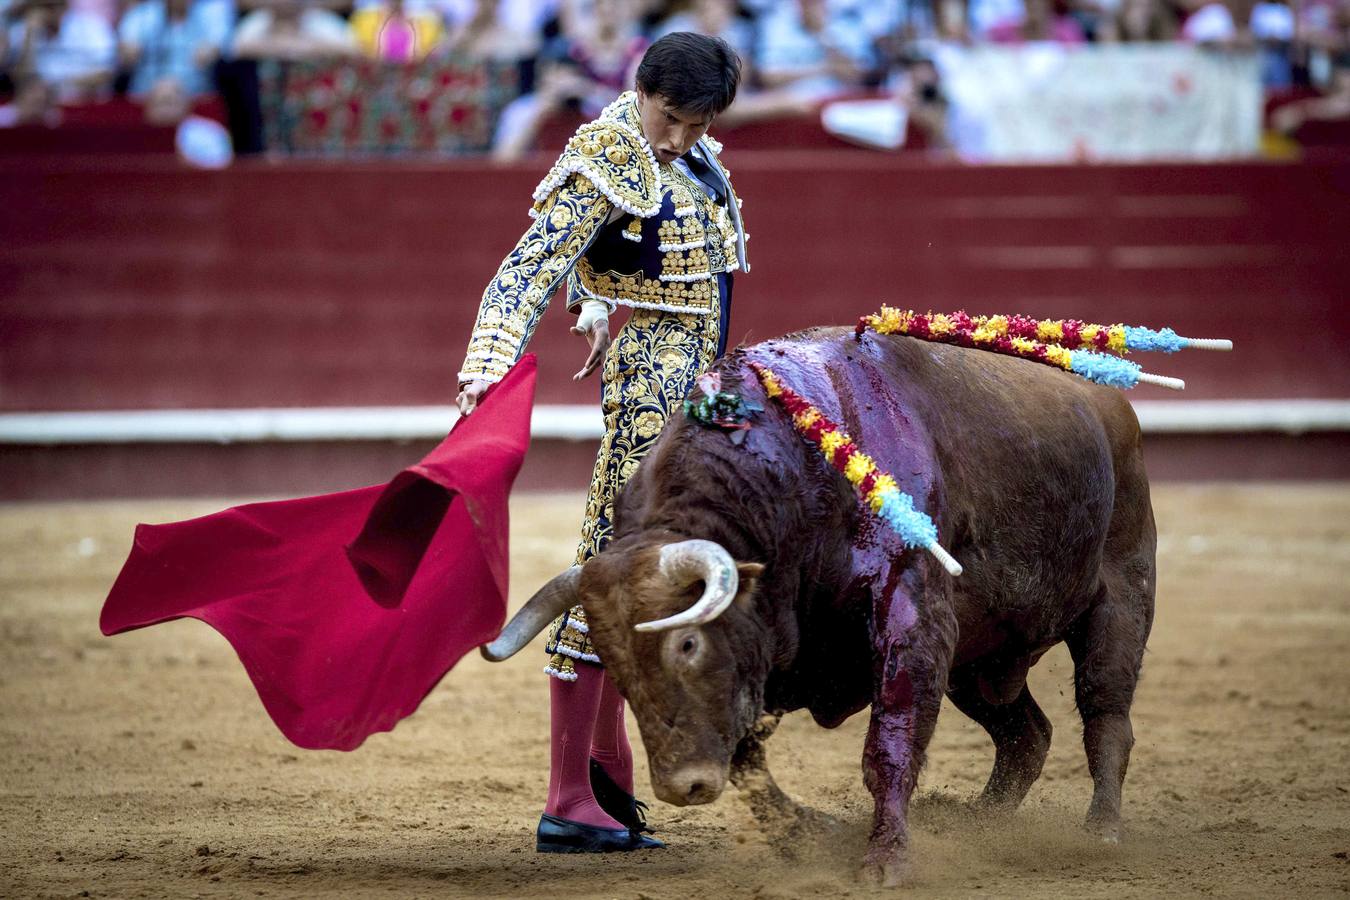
(617, 803)
(557, 835)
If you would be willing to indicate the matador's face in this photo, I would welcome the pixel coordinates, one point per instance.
(670, 131)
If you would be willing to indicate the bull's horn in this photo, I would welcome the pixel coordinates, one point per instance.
(549, 602)
(689, 560)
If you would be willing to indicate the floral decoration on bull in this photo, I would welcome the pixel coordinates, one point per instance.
(721, 409)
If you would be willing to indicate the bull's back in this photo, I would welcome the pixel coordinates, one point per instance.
(1035, 463)
(1021, 465)
(1036, 410)
(975, 409)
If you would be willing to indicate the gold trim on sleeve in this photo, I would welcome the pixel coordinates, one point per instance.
(565, 224)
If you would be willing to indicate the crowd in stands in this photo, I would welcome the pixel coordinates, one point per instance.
(579, 54)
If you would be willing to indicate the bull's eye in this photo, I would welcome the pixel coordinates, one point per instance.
(682, 650)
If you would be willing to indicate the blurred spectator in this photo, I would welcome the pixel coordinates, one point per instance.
(915, 23)
(717, 18)
(983, 17)
(1209, 23)
(814, 48)
(488, 35)
(397, 30)
(602, 46)
(71, 52)
(170, 46)
(166, 103)
(913, 117)
(1272, 27)
(34, 103)
(721, 18)
(1096, 18)
(1042, 20)
(1333, 106)
(524, 21)
(1323, 34)
(920, 93)
(593, 62)
(1145, 20)
(106, 10)
(294, 30)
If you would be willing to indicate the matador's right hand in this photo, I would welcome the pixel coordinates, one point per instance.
(596, 330)
(469, 393)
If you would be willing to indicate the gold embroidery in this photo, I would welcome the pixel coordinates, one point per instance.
(699, 241)
(681, 196)
(611, 152)
(689, 262)
(681, 231)
(699, 296)
(649, 370)
(514, 300)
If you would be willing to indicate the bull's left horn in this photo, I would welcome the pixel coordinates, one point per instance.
(549, 602)
(689, 560)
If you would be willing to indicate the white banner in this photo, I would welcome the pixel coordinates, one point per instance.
(1121, 102)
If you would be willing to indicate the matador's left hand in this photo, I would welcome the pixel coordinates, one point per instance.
(598, 335)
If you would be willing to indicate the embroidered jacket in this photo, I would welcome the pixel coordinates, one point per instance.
(621, 228)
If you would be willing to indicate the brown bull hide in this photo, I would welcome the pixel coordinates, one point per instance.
(1036, 482)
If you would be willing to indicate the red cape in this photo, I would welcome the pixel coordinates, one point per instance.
(290, 583)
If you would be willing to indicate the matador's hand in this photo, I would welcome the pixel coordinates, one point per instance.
(469, 392)
(598, 335)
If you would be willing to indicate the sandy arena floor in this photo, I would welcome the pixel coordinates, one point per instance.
(144, 765)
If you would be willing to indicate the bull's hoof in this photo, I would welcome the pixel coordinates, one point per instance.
(995, 804)
(802, 833)
(1107, 830)
(812, 823)
(886, 868)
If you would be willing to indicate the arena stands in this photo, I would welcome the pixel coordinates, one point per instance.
(287, 72)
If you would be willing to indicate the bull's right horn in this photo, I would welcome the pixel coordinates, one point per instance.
(549, 602)
(707, 561)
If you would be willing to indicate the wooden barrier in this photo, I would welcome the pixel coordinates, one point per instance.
(139, 284)
(145, 285)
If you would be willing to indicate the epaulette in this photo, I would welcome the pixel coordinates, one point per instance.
(616, 158)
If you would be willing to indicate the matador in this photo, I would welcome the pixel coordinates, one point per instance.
(638, 211)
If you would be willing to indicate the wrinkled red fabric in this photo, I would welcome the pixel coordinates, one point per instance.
(344, 641)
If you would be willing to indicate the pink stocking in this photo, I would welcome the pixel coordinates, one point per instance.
(609, 745)
(572, 709)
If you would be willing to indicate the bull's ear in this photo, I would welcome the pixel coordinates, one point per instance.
(747, 574)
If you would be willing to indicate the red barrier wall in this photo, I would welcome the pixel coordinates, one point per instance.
(87, 472)
(140, 284)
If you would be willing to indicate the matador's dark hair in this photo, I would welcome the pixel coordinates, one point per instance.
(696, 73)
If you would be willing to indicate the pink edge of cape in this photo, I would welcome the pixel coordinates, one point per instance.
(346, 609)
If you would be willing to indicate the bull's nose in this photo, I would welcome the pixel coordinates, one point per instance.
(691, 785)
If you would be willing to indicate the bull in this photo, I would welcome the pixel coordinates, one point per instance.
(745, 580)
